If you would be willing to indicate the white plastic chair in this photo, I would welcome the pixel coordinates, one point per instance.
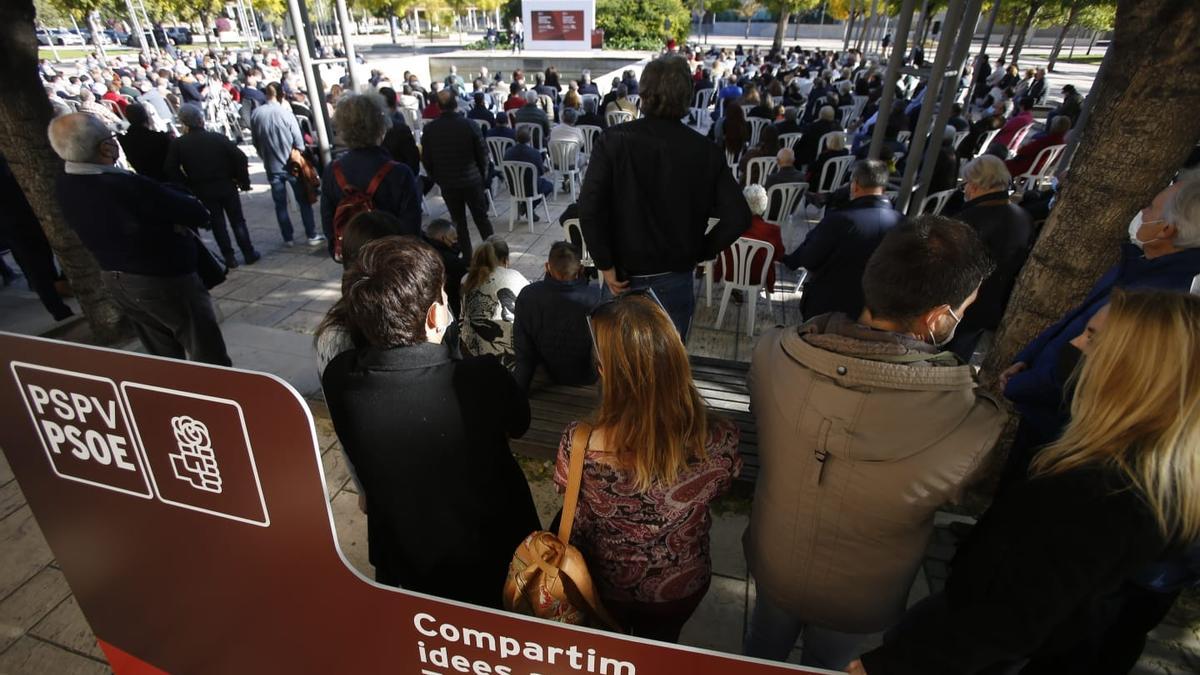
(746, 110)
(1018, 138)
(1044, 164)
(590, 132)
(484, 125)
(565, 161)
(700, 105)
(790, 140)
(824, 140)
(757, 124)
(834, 173)
(987, 141)
(615, 117)
(520, 176)
(635, 100)
(742, 255)
(847, 114)
(934, 203)
(783, 201)
(536, 137)
(497, 146)
(959, 137)
(860, 102)
(571, 227)
(758, 168)
(594, 98)
(732, 159)
(707, 266)
(903, 136)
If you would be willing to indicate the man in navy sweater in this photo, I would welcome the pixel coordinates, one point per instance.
(138, 231)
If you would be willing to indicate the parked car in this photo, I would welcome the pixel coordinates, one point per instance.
(182, 35)
(159, 36)
(116, 36)
(63, 36)
(44, 37)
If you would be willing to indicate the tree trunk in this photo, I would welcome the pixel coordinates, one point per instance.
(849, 29)
(94, 28)
(1095, 34)
(1062, 35)
(780, 28)
(1012, 27)
(204, 28)
(748, 25)
(1125, 157)
(1025, 28)
(24, 116)
(392, 28)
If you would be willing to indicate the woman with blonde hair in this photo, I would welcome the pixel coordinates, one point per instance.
(1039, 579)
(489, 302)
(654, 460)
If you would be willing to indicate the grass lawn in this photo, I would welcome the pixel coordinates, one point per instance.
(1093, 60)
(72, 52)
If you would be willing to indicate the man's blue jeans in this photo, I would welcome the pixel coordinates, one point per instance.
(279, 183)
(675, 290)
(772, 631)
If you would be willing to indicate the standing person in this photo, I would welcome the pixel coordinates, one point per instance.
(457, 160)
(22, 234)
(654, 460)
(837, 250)
(1007, 231)
(145, 148)
(443, 237)
(276, 134)
(489, 303)
(138, 231)
(518, 35)
(650, 188)
(214, 169)
(367, 168)
(1121, 486)
(427, 434)
(847, 489)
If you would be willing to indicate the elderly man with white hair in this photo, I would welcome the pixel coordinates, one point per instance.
(142, 234)
(214, 169)
(1007, 232)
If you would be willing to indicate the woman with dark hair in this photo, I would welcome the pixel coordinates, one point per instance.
(427, 435)
(733, 132)
(552, 79)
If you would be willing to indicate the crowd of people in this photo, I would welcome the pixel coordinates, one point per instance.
(869, 414)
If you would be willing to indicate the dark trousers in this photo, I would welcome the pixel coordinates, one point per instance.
(228, 204)
(676, 292)
(173, 316)
(458, 200)
(33, 254)
(661, 621)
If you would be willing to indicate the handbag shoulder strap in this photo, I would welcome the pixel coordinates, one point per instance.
(579, 443)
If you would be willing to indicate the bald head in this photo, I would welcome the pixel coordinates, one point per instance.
(785, 158)
(78, 137)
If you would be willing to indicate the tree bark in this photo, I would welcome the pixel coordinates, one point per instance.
(1034, 6)
(1125, 157)
(780, 28)
(1012, 27)
(1062, 35)
(747, 26)
(24, 116)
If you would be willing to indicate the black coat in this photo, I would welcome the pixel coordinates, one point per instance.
(551, 329)
(453, 152)
(428, 437)
(806, 149)
(836, 251)
(208, 163)
(146, 150)
(1035, 577)
(400, 144)
(1007, 232)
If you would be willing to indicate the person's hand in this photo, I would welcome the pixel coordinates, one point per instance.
(1012, 370)
(856, 668)
(615, 285)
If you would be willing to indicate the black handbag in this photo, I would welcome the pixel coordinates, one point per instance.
(212, 270)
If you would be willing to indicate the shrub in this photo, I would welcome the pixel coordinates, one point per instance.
(639, 24)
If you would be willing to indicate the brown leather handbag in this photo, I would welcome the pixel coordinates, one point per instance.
(548, 578)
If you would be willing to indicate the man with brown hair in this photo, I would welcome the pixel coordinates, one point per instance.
(649, 191)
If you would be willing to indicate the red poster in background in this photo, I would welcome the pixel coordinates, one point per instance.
(561, 25)
(186, 505)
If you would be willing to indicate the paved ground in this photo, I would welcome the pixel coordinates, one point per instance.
(269, 312)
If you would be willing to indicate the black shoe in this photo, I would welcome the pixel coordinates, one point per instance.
(64, 313)
(252, 257)
(231, 261)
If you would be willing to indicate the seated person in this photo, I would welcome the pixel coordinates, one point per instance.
(479, 109)
(428, 435)
(501, 128)
(443, 237)
(761, 230)
(524, 152)
(489, 303)
(768, 146)
(1056, 134)
(589, 116)
(835, 147)
(566, 129)
(787, 173)
(551, 328)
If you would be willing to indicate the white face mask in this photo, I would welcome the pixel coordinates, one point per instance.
(949, 336)
(1134, 226)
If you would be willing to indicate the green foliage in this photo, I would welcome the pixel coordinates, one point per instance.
(638, 24)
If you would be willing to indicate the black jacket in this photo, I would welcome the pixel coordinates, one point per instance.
(401, 145)
(428, 437)
(806, 149)
(456, 269)
(650, 189)
(551, 329)
(453, 151)
(836, 251)
(208, 163)
(146, 150)
(1007, 232)
(1033, 578)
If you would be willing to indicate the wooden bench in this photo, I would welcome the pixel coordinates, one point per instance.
(722, 384)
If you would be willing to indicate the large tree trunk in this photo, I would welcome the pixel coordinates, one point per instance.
(1012, 27)
(24, 115)
(1125, 157)
(1062, 35)
(849, 25)
(1034, 6)
(780, 27)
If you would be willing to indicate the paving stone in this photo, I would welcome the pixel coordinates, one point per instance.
(719, 620)
(6, 473)
(294, 293)
(351, 525)
(337, 471)
(11, 498)
(23, 550)
(30, 603)
(31, 655)
(67, 627)
(302, 321)
(726, 541)
(256, 287)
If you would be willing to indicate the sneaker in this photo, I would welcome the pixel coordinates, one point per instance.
(253, 257)
(289, 243)
(313, 241)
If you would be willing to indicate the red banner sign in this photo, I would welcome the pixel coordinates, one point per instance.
(557, 25)
(187, 507)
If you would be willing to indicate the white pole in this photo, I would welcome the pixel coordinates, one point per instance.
(347, 45)
(310, 78)
(137, 28)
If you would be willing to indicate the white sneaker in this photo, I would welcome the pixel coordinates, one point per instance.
(313, 241)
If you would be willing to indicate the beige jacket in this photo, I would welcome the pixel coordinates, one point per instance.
(862, 436)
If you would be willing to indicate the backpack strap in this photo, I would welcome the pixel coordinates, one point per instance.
(379, 176)
(579, 443)
(340, 177)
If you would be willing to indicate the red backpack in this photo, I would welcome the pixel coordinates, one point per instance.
(353, 202)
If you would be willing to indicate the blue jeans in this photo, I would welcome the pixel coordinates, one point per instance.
(675, 290)
(772, 631)
(279, 183)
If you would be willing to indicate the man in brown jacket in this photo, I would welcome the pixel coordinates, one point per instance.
(866, 427)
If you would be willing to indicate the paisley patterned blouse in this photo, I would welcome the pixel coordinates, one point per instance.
(652, 546)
